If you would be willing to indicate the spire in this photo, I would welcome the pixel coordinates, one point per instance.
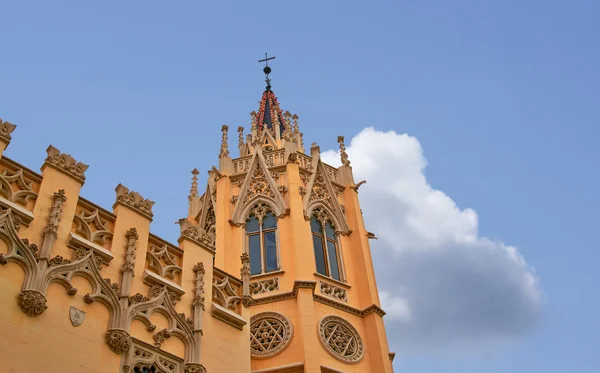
(343, 154)
(269, 114)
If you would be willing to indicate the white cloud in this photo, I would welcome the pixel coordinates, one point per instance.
(441, 284)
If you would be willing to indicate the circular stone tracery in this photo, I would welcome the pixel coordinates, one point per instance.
(270, 333)
(340, 339)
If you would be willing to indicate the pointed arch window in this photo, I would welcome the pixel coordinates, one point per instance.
(261, 240)
(327, 255)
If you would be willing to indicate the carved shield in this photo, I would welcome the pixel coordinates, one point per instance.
(77, 316)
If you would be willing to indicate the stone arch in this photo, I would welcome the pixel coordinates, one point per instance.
(339, 223)
(320, 192)
(179, 325)
(87, 266)
(20, 251)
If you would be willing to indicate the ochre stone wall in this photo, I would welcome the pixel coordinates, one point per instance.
(190, 307)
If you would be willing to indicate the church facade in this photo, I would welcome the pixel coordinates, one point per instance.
(272, 271)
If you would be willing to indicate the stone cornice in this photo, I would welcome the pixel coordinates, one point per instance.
(134, 201)
(66, 164)
(309, 284)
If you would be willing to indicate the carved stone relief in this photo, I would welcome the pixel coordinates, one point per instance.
(65, 163)
(162, 262)
(134, 200)
(333, 291)
(89, 225)
(340, 339)
(76, 316)
(270, 333)
(264, 286)
(15, 188)
(6, 128)
(142, 356)
(225, 294)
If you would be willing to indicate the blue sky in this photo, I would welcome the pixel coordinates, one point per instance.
(502, 97)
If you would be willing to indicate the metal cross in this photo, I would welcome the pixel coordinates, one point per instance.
(266, 59)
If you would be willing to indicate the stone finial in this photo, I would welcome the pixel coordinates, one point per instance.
(134, 200)
(66, 164)
(295, 118)
(224, 146)
(314, 148)
(6, 128)
(240, 136)
(288, 121)
(194, 190)
(343, 154)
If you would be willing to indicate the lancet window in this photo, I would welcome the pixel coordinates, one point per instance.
(261, 240)
(326, 246)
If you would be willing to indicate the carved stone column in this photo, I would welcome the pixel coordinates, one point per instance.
(129, 265)
(51, 230)
(198, 302)
(245, 274)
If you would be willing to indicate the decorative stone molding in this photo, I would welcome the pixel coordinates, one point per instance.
(32, 303)
(333, 291)
(225, 294)
(162, 262)
(264, 286)
(38, 275)
(157, 288)
(142, 357)
(66, 164)
(198, 300)
(340, 339)
(6, 128)
(51, 229)
(199, 236)
(55, 213)
(134, 201)
(259, 188)
(270, 334)
(245, 274)
(138, 298)
(195, 368)
(91, 226)
(119, 341)
(128, 267)
(15, 188)
(322, 195)
(161, 337)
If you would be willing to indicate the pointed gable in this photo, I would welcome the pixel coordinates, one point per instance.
(206, 218)
(322, 194)
(258, 186)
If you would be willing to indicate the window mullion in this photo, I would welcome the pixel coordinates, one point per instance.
(262, 248)
(326, 252)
